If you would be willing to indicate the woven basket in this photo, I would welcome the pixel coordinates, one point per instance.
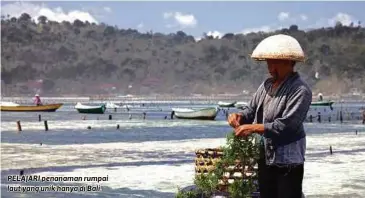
(206, 160)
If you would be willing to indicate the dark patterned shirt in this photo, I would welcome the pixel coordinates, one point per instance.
(282, 111)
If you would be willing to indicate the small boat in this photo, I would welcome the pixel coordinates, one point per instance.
(226, 104)
(10, 106)
(110, 105)
(240, 104)
(90, 109)
(322, 103)
(197, 114)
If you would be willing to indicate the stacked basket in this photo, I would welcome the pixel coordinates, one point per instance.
(206, 160)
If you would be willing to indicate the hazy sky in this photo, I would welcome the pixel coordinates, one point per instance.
(196, 17)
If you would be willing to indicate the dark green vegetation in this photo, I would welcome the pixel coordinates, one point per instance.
(79, 57)
(246, 151)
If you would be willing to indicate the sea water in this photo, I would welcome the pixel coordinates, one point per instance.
(155, 156)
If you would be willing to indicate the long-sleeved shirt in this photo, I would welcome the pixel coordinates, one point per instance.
(283, 115)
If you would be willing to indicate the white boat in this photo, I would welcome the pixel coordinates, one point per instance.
(226, 104)
(240, 104)
(198, 114)
(110, 105)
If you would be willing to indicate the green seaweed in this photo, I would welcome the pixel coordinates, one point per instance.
(244, 149)
(187, 194)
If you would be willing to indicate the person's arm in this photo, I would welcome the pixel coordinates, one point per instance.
(294, 114)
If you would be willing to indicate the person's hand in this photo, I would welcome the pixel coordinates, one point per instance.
(243, 130)
(234, 120)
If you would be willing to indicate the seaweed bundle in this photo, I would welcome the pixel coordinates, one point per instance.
(231, 169)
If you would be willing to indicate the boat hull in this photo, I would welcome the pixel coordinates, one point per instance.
(90, 109)
(40, 108)
(197, 118)
(240, 105)
(111, 105)
(226, 104)
(201, 114)
(99, 110)
(328, 103)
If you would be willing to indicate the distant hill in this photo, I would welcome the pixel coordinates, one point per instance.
(86, 58)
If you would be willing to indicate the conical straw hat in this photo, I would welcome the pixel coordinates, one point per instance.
(279, 47)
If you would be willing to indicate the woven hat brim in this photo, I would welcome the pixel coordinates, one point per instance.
(292, 57)
(282, 47)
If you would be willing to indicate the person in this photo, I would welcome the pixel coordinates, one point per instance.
(276, 114)
(37, 100)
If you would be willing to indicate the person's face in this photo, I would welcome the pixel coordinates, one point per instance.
(278, 69)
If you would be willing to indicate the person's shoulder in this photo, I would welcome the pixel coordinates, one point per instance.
(302, 85)
(266, 82)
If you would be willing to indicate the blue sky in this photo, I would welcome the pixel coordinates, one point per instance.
(196, 17)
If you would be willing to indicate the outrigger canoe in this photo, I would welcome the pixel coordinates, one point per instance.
(29, 108)
(322, 103)
(196, 114)
(239, 105)
(226, 104)
(110, 105)
(90, 109)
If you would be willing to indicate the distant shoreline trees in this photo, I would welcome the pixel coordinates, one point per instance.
(87, 54)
